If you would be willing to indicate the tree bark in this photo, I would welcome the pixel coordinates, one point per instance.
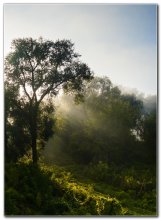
(33, 132)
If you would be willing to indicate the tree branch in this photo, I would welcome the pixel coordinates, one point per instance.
(48, 90)
(23, 85)
(32, 77)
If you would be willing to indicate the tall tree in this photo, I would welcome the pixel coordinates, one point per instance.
(39, 69)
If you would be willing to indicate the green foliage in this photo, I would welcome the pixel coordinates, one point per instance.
(134, 187)
(99, 171)
(16, 145)
(30, 190)
(149, 136)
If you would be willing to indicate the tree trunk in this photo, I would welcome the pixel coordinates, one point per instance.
(33, 131)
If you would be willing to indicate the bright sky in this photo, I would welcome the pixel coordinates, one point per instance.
(118, 41)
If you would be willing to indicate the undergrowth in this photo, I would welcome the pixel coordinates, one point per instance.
(50, 190)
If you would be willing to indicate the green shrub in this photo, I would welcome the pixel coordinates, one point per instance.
(99, 172)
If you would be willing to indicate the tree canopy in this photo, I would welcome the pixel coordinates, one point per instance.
(39, 69)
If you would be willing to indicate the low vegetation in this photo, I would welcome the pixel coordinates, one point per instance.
(53, 190)
(46, 190)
